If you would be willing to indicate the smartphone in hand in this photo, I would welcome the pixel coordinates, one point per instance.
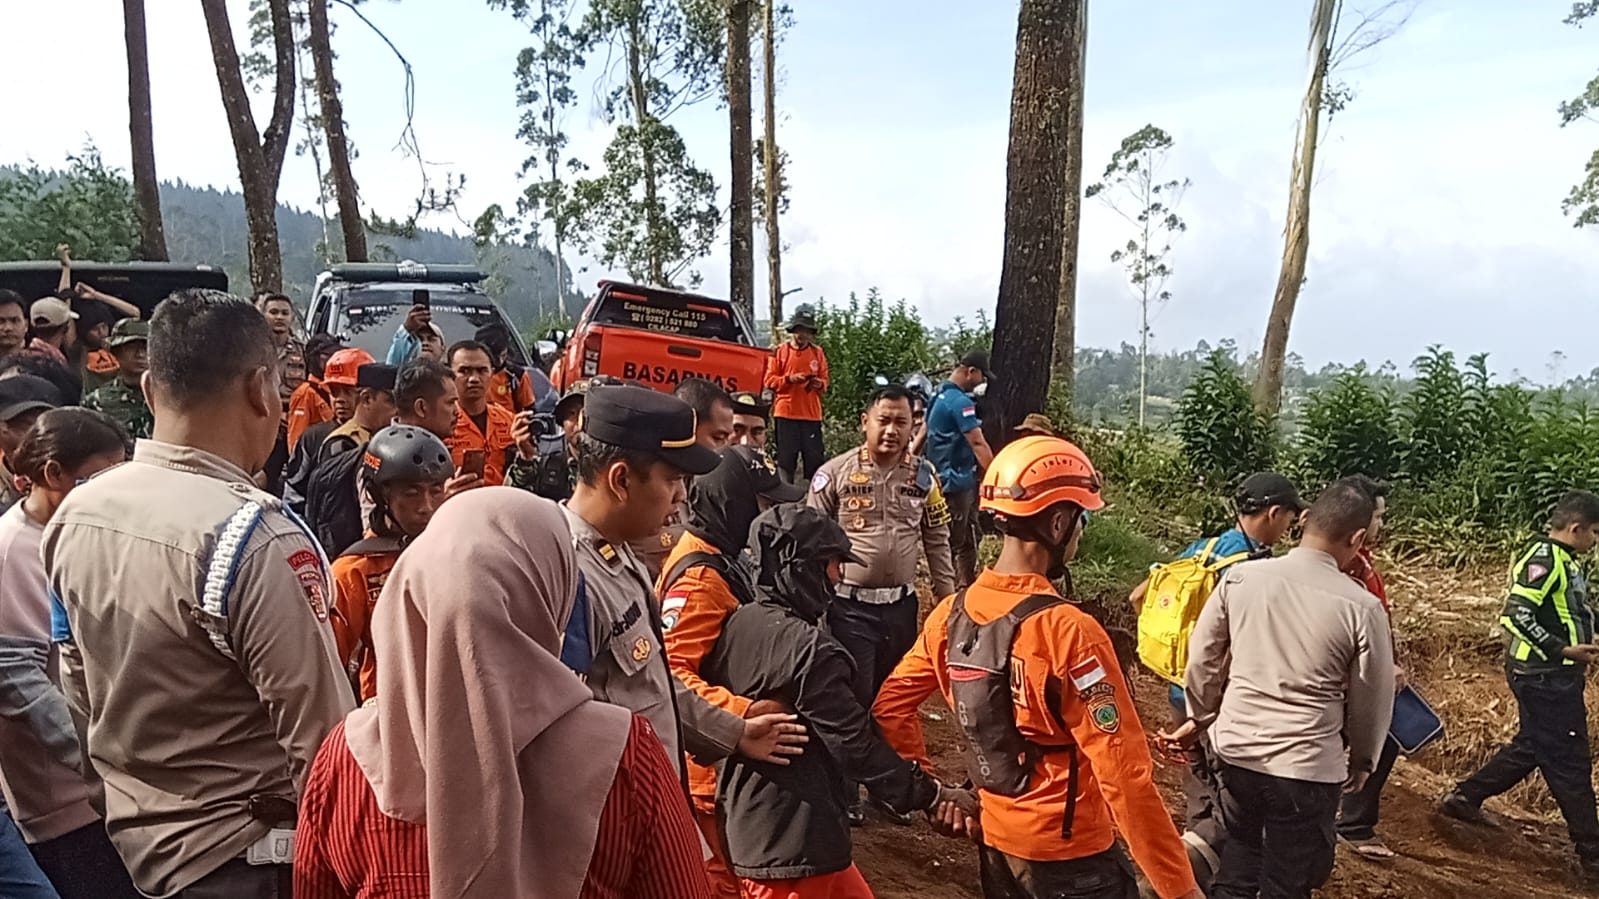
(474, 462)
(421, 298)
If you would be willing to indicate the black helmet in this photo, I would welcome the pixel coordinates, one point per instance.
(402, 453)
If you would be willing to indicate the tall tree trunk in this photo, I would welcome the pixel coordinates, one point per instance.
(141, 135)
(656, 266)
(769, 158)
(555, 173)
(1065, 369)
(1035, 210)
(1296, 232)
(260, 155)
(327, 95)
(740, 112)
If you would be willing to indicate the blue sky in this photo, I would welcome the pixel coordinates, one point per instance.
(1436, 218)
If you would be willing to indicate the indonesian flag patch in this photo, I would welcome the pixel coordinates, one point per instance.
(1087, 673)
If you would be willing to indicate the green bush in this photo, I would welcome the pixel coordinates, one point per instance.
(1224, 437)
(1349, 427)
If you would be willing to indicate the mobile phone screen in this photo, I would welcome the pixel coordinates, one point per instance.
(473, 462)
(421, 298)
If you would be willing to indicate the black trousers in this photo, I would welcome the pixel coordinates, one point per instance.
(799, 440)
(1201, 784)
(1108, 875)
(1281, 841)
(1553, 739)
(963, 536)
(240, 880)
(876, 636)
(1357, 816)
(83, 864)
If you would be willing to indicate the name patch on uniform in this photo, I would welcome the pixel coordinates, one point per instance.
(629, 618)
(820, 482)
(1087, 673)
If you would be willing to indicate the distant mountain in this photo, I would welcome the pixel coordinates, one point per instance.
(206, 225)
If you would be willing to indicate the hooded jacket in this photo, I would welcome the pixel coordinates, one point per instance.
(786, 822)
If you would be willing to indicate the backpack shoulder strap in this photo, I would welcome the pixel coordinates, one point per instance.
(371, 546)
(713, 561)
(1032, 605)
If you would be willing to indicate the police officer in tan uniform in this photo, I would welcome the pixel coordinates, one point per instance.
(889, 503)
(192, 614)
(713, 429)
(636, 449)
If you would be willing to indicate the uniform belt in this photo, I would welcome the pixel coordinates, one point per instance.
(875, 596)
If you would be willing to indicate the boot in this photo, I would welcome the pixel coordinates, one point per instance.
(1456, 806)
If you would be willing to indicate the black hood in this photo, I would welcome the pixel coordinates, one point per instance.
(792, 546)
(723, 504)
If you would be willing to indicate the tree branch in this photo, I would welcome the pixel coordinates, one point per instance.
(275, 140)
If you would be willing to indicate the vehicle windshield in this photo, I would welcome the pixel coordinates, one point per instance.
(668, 314)
(369, 318)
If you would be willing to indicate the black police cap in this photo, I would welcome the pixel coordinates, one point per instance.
(638, 418)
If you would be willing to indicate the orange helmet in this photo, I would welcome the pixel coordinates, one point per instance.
(341, 367)
(1034, 473)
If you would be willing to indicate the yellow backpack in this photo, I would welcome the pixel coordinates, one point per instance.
(1176, 595)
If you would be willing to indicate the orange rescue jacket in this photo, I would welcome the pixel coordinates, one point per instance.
(694, 608)
(308, 405)
(494, 444)
(511, 399)
(358, 579)
(1070, 691)
(797, 401)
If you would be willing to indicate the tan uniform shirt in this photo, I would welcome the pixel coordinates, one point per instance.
(181, 735)
(1291, 665)
(892, 516)
(629, 666)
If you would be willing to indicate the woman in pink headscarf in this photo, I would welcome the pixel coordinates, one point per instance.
(485, 768)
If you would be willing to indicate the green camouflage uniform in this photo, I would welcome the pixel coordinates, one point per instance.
(125, 404)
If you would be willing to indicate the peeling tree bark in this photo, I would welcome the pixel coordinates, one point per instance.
(260, 154)
(141, 135)
(1296, 231)
(327, 93)
(774, 243)
(1065, 370)
(1036, 197)
(740, 112)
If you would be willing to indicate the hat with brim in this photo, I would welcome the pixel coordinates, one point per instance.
(764, 479)
(1036, 424)
(20, 394)
(572, 401)
(803, 319)
(645, 420)
(129, 330)
(979, 360)
(1265, 489)
(745, 403)
(50, 312)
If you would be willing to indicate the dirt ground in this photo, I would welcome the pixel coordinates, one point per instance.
(1446, 624)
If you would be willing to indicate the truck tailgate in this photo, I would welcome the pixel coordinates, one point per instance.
(662, 360)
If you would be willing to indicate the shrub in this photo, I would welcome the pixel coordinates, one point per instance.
(1224, 437)
(864, 339)
(1434, 429)
(1349, 428)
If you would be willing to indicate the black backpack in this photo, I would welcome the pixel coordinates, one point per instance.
(998, 758)
(332, 506)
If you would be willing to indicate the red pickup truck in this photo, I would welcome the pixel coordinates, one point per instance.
(658, 337)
